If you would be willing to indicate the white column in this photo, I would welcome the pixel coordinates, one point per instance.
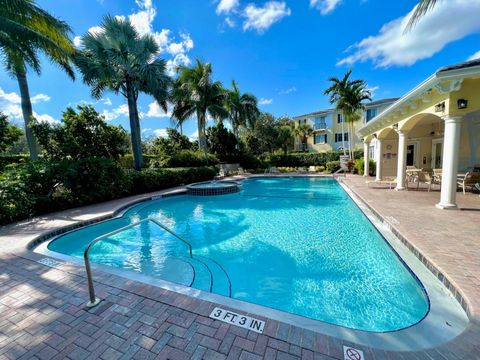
(451, 145)
(401, 160)
(379, 159)
(366, 158)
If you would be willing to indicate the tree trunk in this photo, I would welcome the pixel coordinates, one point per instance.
(27, 113)
(343, 137)
(134, 128)
(202, 141)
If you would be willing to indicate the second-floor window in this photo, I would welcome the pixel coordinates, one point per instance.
(339, 118)
(370, 114)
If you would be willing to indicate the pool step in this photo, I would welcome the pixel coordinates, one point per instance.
(203, 279)
(221, 282)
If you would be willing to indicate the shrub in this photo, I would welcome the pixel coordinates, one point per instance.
(359, 167)
(333, 166)
(184, 158)
(12, 159)
(307, 159)
(126, 161)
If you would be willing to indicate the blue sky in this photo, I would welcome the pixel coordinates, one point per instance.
(283, 51)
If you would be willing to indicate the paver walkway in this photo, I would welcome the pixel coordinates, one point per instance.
(43, 314)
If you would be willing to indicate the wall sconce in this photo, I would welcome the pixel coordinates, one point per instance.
(375, 136)
(441, 107)
(395, 126)
(462, 104)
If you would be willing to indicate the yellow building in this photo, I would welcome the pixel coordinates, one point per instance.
(434, 126)
(330, 131)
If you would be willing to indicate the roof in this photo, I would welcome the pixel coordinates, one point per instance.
(461, 65)
(368, 105)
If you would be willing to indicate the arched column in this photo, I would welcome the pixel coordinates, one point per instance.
(366, 158)
(451, 148)
(401, 159)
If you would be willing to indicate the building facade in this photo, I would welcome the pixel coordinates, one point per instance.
(436, 125)
(330, 132)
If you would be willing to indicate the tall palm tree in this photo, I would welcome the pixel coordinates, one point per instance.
(303, 132)
(348, 96)
(195, 93)
(26, 31)
(421, 9)
(243, 108)
(119, 59)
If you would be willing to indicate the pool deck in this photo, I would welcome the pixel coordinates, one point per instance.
(44, 317)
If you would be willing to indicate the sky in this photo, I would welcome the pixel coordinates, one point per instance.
(283, 51)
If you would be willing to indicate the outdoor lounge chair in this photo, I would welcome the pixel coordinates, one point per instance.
(301, 169)
(425, 178)
(272, 170)
(469, 180)
(312, 169)
(221, 174)
(242, 172)
(388, 182)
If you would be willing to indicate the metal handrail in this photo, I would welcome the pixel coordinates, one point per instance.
(94, 301)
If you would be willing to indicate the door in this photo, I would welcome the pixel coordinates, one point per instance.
(410, 154)
(437, 151)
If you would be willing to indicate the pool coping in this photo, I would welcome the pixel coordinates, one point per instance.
(351, 335)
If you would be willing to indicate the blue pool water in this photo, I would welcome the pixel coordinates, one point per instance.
(300, 245)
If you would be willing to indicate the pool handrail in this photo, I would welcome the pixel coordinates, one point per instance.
(94, 301)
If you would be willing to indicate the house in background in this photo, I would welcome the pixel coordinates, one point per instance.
(330, 132)
(436, 125)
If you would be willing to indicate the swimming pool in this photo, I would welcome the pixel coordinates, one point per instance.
(298, 245)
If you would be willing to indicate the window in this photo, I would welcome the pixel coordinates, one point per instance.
(339, 118)
(320, 139)
(370, 114)
(338, 137)
(319, 123)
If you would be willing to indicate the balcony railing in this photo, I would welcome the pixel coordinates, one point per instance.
(320, 126)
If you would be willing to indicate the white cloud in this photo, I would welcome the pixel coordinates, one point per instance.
(194, 136)
(261, 18)
(325, 6)
(77, 41)
(373, 90)
(230, 22)
(227, 6)
(39, 98)
(155, 111)
(392, 46)
(113, 114)
(179, 59)
(160, 133)
(474, 56)
(287, 91)
(106, 101)
(264, 101)
(10, 105)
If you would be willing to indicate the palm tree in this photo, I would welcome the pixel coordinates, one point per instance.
(195, 93)
(119, 59)
(303, 132)
(26, 31)
(421, 9)
(348, 96)
(243, 108)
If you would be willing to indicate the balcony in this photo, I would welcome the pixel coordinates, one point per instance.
(320, 126)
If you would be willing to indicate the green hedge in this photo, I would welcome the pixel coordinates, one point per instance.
(40, 187)
(11, 160)
(307, 159)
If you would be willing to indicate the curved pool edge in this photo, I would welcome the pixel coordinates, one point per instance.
(444, 307)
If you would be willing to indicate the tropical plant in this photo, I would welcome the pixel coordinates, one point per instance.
(81, 135)
(243, 108)
(9, 134)
(303, 131)
(119, 59)
(196, 93)
(286, 134)
(423, 7)
(222, 142)
(348, 96)
(26, 31)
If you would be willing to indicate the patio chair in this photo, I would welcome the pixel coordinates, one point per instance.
(221, 174)
(242, 172)
(437, 176)
(301, 169)
(424, 178)
(390, 182)
(469, 180)
(272, 170)
(312, 169)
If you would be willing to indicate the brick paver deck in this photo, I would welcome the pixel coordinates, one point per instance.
(43, 314)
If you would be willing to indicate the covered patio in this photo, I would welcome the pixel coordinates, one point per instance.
(433, 129)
